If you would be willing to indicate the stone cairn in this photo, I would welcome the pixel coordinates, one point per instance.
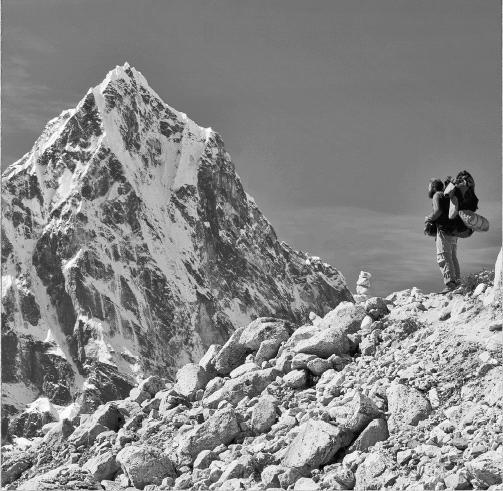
(362, 287)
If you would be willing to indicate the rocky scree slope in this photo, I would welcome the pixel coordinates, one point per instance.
(402, 393)
(129, 246)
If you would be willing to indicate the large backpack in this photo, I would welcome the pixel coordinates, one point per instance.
(468, 203)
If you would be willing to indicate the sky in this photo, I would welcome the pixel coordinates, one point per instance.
(336, 113)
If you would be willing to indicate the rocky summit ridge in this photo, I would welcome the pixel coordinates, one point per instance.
(402, 392)
(129, 246)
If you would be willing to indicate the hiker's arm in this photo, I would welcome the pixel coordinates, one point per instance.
(453, 207)
(436, 208)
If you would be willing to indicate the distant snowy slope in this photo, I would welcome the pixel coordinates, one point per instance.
(129, 246)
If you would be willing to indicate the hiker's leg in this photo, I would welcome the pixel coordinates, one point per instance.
(444, 257)
(455, 258)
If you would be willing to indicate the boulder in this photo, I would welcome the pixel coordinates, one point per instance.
(270, 476)
(487, 468)
(300, 361)
(207, 362)
(361, 411)
(366, 325)
(204, 459)
(106, 417)
(318, 366)
(289, 477)
(376, 431)
(374, 472)
(102, 466)
(139, 395)
(145, 464)
(407, 406)
(241, 468)
(250, 384)
(324, 343)
(268, 349)
(244, 368)
(264, 328)
(213, 386)
(152, 385)
(190, 378)
(315, 444)
(264, 414)
(246, 340)
(376, 308)
(231, 355)
(220, 428)
(296, 379)
(66, 476)
(14, 465)
(457, 480)
(306, 484)
(338, 476)
(347, 317)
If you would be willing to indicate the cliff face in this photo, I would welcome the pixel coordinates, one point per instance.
(129, 246)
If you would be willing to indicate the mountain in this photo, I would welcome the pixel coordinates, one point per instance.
(129, 246)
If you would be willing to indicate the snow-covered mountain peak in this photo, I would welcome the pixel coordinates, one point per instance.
(129, 246)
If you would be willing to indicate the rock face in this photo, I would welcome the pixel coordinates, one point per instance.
(129, 246)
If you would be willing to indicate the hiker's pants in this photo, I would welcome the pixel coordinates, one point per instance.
(447, 256)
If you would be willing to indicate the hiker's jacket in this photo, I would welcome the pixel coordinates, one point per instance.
(440, 214)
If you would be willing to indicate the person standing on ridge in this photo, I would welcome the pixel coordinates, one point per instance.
(446, 240)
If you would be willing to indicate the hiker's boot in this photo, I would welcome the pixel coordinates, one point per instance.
(449, 287)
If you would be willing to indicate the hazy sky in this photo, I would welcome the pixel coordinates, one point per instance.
(336, 112)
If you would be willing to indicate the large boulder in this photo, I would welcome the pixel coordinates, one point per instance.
(152, 385)
(106, 417)
(60, 478)
(407, 406)
(220, 428)
(102, 466)
(268, 349)
(376, 308)
(376, 431)
(361, 411)
(145, 464)
(315, 444)
(231, 355)
(265, 328)
(246, 340)
(324, 343)
(264, 414)
(14, 465)
(249, 384)
(487, 469)
(190, 378)
(241, 468)
(296, 379)
(347, 317)
(208, 360)
(374, 472)
(338, 476)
